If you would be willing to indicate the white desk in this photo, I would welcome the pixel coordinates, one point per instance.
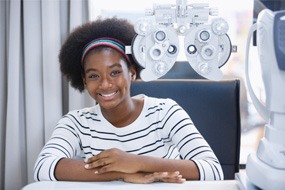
(119, 185)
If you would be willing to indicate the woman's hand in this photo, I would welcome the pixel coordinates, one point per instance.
(144, 178)
(113, 160)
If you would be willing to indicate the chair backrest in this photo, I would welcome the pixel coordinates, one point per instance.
(214, 107)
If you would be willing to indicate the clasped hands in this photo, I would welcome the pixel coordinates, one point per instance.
(130, 165)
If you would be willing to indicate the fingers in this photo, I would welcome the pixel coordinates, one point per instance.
(113, 160)
(100, 167)
(169, 177)
(98, 163)
(176, 179)
(100, 160)
(143, 178)
(95, 158)
(103, 162)
(156, 176)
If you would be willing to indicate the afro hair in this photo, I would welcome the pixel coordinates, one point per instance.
(71, 51)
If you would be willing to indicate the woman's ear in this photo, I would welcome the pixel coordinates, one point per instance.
(133, 73)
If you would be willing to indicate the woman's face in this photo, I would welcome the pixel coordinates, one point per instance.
(107, 78)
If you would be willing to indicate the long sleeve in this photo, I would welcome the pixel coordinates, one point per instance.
(180, 130)
(64, 143)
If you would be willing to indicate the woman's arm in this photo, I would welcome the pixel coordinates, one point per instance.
(117, 160)
(68, 169)
(74, 170)
(187, 168)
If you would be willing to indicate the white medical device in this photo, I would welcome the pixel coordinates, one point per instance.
(206, 44)
(266, 168)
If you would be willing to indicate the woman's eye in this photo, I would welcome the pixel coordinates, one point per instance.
(115, 73)
(93, 76)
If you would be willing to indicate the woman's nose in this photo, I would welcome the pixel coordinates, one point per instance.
(105, 83)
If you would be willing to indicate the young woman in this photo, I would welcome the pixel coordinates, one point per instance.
(137, 139)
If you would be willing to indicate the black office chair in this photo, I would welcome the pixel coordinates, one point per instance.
(214, 108)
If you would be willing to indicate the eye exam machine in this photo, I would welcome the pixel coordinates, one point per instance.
(206, 43)
(207, 48)
(266, 168)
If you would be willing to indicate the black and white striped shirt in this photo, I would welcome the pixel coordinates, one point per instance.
(163, 129)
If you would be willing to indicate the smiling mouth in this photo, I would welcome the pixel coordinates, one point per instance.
(108, 95)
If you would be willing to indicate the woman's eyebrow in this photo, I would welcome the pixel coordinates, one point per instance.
(90, 70)
(115, 65)
(111, 66)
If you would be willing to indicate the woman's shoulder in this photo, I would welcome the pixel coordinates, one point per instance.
(164, 100)
(156, 101)
(80, 117)
(87, 112)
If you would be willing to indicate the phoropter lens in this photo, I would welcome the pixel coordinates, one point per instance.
(172, 49)
(204, 35)
(160, 36)
(192, 49)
